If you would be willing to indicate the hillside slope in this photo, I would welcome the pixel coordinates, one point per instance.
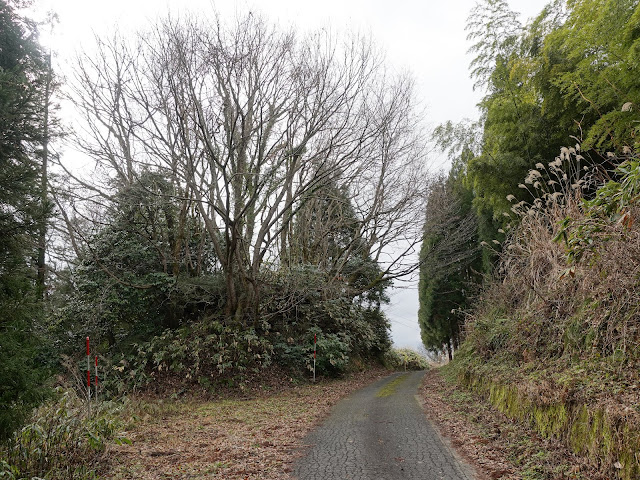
(553, 340)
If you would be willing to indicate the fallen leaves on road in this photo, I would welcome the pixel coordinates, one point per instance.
(246, 439)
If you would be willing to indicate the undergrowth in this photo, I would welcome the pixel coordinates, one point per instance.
(566, 295)
(63, 440)
(216, 357)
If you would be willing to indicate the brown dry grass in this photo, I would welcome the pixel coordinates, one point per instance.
(562, 331)
(583, 317)
(256, 438)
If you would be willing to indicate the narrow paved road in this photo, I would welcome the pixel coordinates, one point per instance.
(380, 433)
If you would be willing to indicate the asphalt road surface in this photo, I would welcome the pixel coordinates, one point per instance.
(380, 433)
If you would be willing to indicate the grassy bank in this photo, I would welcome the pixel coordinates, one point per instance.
(593, 411)
(554, 339)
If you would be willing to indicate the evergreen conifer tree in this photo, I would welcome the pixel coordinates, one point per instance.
(22, 73)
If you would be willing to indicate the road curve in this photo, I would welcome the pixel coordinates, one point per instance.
(380, 433)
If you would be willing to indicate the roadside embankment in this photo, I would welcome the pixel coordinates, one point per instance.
(553, 340)
(499, 446)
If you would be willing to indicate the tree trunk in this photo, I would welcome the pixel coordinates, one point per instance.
(44, 187)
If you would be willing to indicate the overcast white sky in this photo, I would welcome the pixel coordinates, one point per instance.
(425, 37)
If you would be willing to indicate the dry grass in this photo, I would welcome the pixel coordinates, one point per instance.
(256, 438)
(563, 329)
(555, 308)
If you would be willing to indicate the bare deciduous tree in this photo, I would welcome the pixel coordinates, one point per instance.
(252, 123)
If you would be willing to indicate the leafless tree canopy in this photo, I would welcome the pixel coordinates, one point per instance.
(253, 124)
(451, 229)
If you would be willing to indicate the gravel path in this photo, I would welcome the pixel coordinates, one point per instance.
(380, 433)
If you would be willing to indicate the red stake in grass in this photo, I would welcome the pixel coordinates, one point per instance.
(314, 357)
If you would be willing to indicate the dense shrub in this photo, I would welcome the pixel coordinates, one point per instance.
(205, 352)
(62, 441)
(405, 359)
(333, 354)
(212, 350)
(211, 353)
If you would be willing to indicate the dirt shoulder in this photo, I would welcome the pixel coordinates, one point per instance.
(257, 438)
(497, 447)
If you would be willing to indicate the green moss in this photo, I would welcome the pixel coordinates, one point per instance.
(606, 436)
(629, 456)
(629, 466)
(550, 420)
(579, 433)
(507, 400)
(391, 387)
(586, 430)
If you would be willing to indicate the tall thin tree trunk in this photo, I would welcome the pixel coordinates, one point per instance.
(44, 187)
